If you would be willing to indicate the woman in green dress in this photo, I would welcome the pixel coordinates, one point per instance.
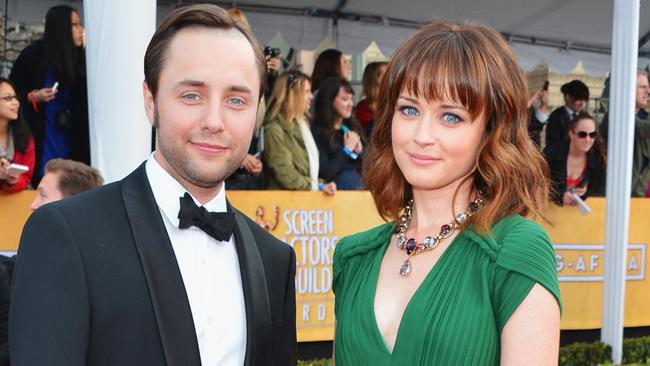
(458, 275)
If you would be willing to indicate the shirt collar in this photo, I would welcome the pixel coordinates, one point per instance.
(167, 192)
(571, 111)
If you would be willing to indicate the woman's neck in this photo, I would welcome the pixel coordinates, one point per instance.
(4, 130)
(433, 208)
(338, 121)
(293, 116)
(575, 154)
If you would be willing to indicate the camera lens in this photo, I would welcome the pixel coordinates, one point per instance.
(271, 51)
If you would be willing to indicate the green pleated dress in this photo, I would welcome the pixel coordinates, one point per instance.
(457, 314)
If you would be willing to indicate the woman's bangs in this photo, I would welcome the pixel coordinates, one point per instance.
(435, 73)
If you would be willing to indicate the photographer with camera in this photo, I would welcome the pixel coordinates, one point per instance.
(273, 63)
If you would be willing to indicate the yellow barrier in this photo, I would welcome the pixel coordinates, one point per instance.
(313, 223)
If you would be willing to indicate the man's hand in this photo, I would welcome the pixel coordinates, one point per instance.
(273, 64)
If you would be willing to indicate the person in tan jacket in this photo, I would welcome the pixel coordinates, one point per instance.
(290, 153)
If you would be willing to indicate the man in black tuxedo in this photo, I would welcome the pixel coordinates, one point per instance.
(158, 269)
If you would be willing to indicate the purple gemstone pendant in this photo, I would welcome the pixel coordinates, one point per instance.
(445, 230)
(406, 268)
(410, 246)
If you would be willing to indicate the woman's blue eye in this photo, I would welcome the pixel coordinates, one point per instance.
(409, 111)
(451, 118)
(236, 101)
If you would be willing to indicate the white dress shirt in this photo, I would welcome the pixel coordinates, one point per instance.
(210, 271)
(570, 111)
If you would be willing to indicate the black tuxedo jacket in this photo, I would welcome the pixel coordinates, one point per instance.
(97, 283)
(557, 129)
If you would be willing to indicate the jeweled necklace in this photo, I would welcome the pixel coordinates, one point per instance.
(412, 247)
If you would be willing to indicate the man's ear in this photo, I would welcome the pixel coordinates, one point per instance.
(149, 103)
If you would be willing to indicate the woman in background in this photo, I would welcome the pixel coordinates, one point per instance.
(365, 110)
(290, 153)
(16, 142)
(330, 63)
(578, 169)
(338, 135)
(58, 117)
(458, 276)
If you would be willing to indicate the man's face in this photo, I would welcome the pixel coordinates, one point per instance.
(642, 89)
(206, 105)
(47, 191)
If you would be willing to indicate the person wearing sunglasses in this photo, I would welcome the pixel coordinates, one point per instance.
(16, 142)
(579, 168)
(290, 153)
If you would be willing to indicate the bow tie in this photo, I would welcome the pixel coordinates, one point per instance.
(218, 225)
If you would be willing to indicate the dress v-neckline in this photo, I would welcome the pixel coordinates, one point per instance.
(375, 280)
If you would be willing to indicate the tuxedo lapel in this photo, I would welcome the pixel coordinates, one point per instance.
(258, 310)
(164, 280)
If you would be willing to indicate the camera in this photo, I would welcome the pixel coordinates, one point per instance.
(271, 51)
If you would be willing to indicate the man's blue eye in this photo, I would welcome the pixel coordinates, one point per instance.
(191, 97)
(236, 101)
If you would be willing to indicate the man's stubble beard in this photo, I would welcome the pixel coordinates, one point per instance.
(183, 166)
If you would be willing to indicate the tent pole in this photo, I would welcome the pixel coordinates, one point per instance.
(625, 37)
(118, 32)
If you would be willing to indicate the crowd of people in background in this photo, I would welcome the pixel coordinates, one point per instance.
(310, 134)
(575, 143)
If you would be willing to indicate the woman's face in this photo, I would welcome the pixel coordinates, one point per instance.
(77, 29)
(583, 136)
(9, 103)
(346, 67)
(343, 103)
(306, 97)
(435, 142)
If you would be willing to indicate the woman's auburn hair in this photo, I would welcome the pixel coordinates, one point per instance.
(470, 64)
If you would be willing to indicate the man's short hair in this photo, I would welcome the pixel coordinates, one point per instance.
(74, 177)
(199, 15)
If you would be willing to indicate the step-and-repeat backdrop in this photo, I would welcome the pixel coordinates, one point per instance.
(313, 223)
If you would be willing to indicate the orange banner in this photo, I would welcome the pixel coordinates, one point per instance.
(313, 223)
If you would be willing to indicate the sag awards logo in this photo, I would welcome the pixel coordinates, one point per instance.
(311, 233)
(263, 222)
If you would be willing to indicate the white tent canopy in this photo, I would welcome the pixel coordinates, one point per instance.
(558, 32)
